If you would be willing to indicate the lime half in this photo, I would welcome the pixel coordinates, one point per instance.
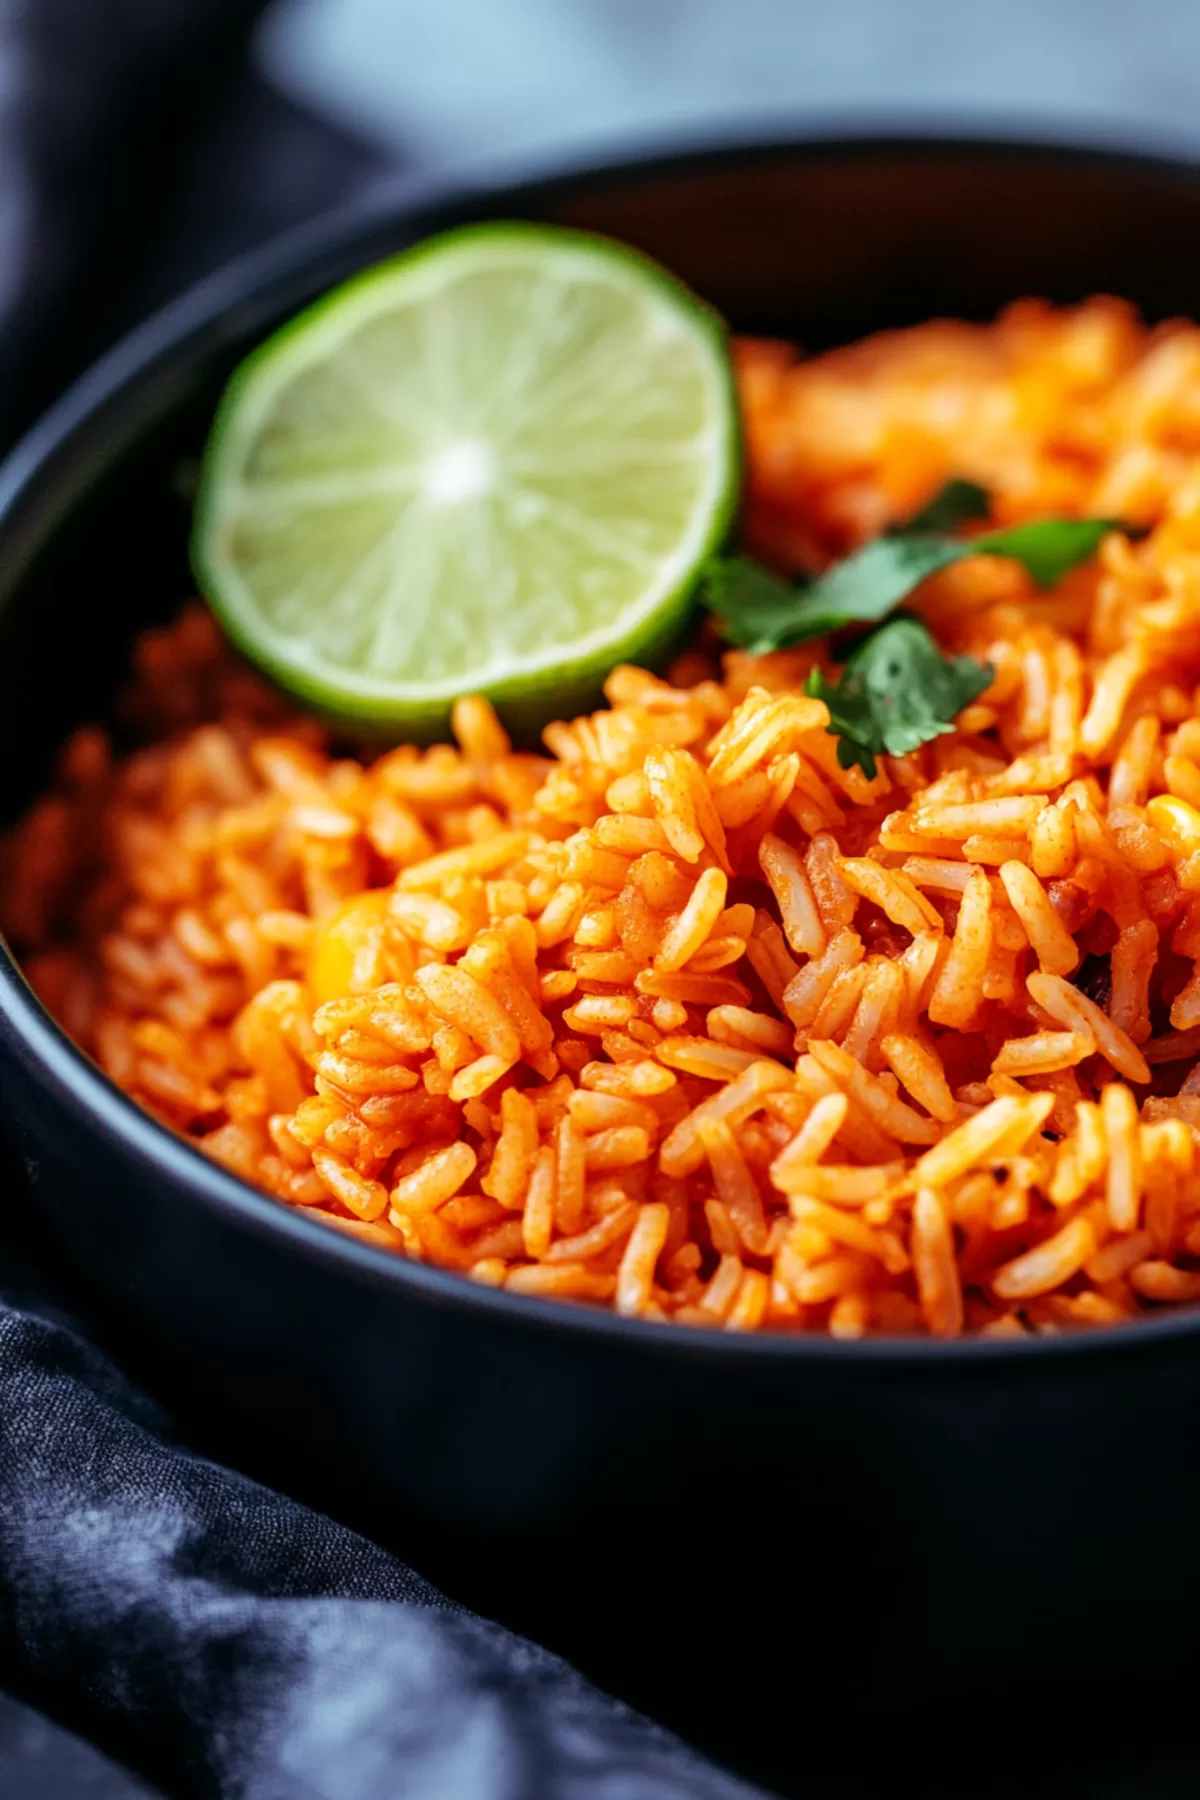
(491, 465)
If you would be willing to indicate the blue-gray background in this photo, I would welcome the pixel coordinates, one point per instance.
(443, 80)
(329, 95)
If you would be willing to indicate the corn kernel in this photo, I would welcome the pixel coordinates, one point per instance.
(331, 959)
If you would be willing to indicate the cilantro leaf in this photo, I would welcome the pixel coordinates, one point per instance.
(759, 612)
(896, 691)
(748, 599)
(869, 584)
(762, 612)
(1046, 548)
(957, 502)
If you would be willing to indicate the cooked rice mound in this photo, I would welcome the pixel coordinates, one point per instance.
(686, 1020)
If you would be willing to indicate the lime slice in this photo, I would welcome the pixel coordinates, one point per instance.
(491, 465)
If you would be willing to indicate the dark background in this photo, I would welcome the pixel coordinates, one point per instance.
(145, 142)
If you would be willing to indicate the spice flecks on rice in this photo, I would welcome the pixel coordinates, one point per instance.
(686, 1020)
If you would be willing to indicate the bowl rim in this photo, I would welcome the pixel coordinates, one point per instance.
(208, 314)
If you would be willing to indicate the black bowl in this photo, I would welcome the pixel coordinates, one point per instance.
(761, 1538)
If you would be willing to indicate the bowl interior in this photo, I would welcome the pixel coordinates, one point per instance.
(818, 242)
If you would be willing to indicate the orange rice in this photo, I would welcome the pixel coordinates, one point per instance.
(685, 1020)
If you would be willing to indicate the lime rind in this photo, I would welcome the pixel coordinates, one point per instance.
(535, 682)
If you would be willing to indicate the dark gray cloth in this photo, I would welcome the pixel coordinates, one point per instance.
(40, 1760)
(228, 1642)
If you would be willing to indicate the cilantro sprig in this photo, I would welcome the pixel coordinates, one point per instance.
(896, 689)
(895, 692)
(761, 612)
